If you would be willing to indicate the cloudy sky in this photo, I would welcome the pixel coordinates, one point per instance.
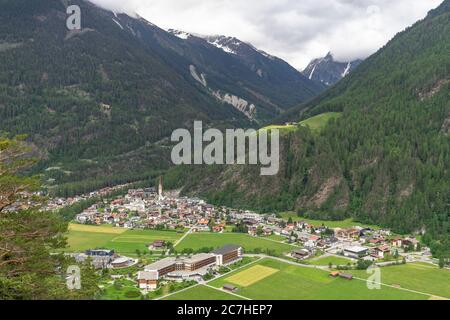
(295, 30)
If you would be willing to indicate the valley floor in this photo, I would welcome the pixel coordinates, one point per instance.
(291, 282)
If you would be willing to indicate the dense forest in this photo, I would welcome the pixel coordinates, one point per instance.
(385, 161)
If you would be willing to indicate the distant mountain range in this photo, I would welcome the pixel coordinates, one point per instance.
(328, 71)
(256, 83)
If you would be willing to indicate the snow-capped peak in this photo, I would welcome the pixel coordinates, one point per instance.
(227, 44)
(180, 34)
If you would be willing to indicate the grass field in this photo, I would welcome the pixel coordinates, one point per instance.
(348, 223)
(277, 238)
(316, 123)
(336, 261)
(319, 122)
(416, 276)
(202, 293)
(82, 237)
(299, 283)
(125, 290)
(200, 240)
(251, 275)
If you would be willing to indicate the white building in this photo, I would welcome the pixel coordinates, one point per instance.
(356, 252)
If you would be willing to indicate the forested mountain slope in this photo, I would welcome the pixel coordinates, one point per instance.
(384, 161)
(99, 103)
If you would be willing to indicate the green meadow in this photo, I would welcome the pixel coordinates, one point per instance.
(420, 277)
(126, 242)
(336, 261)
(215, 240)
(301, 283)
(315, 124)
(348, 223)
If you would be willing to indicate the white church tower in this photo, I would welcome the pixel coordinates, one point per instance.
(160, 189)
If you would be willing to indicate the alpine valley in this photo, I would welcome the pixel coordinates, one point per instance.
(92, 207)
(374, 147)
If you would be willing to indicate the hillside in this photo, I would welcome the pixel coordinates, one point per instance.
(99, 103)
(385, 161)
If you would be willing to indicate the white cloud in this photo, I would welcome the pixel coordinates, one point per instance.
(296, 31)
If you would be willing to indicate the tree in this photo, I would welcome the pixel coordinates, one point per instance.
(441, 263)
(240, 228)
(259, 231)
(28, 235)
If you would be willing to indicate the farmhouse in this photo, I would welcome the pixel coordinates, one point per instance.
(382, 251)
(346, 276)
(397, 242)
(300, 254)
(229, 287)
(355, 252)
(158, 245)
(410, 242)
(351, 233)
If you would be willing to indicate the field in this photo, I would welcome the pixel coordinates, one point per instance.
(215, 240)
(416, 276)
(336, 261)
(202, 293)
(96, 229)
(299, 283)
(251, 275)
(82, 237)
(319, 122)
(316, 123)
(348, 223)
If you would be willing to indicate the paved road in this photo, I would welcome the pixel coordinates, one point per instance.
(182, 238)
(228, 292)
(287, 261)
(289, 244)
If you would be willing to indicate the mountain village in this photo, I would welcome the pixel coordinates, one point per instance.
(152, 208)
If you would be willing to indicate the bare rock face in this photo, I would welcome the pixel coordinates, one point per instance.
(325, 191)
